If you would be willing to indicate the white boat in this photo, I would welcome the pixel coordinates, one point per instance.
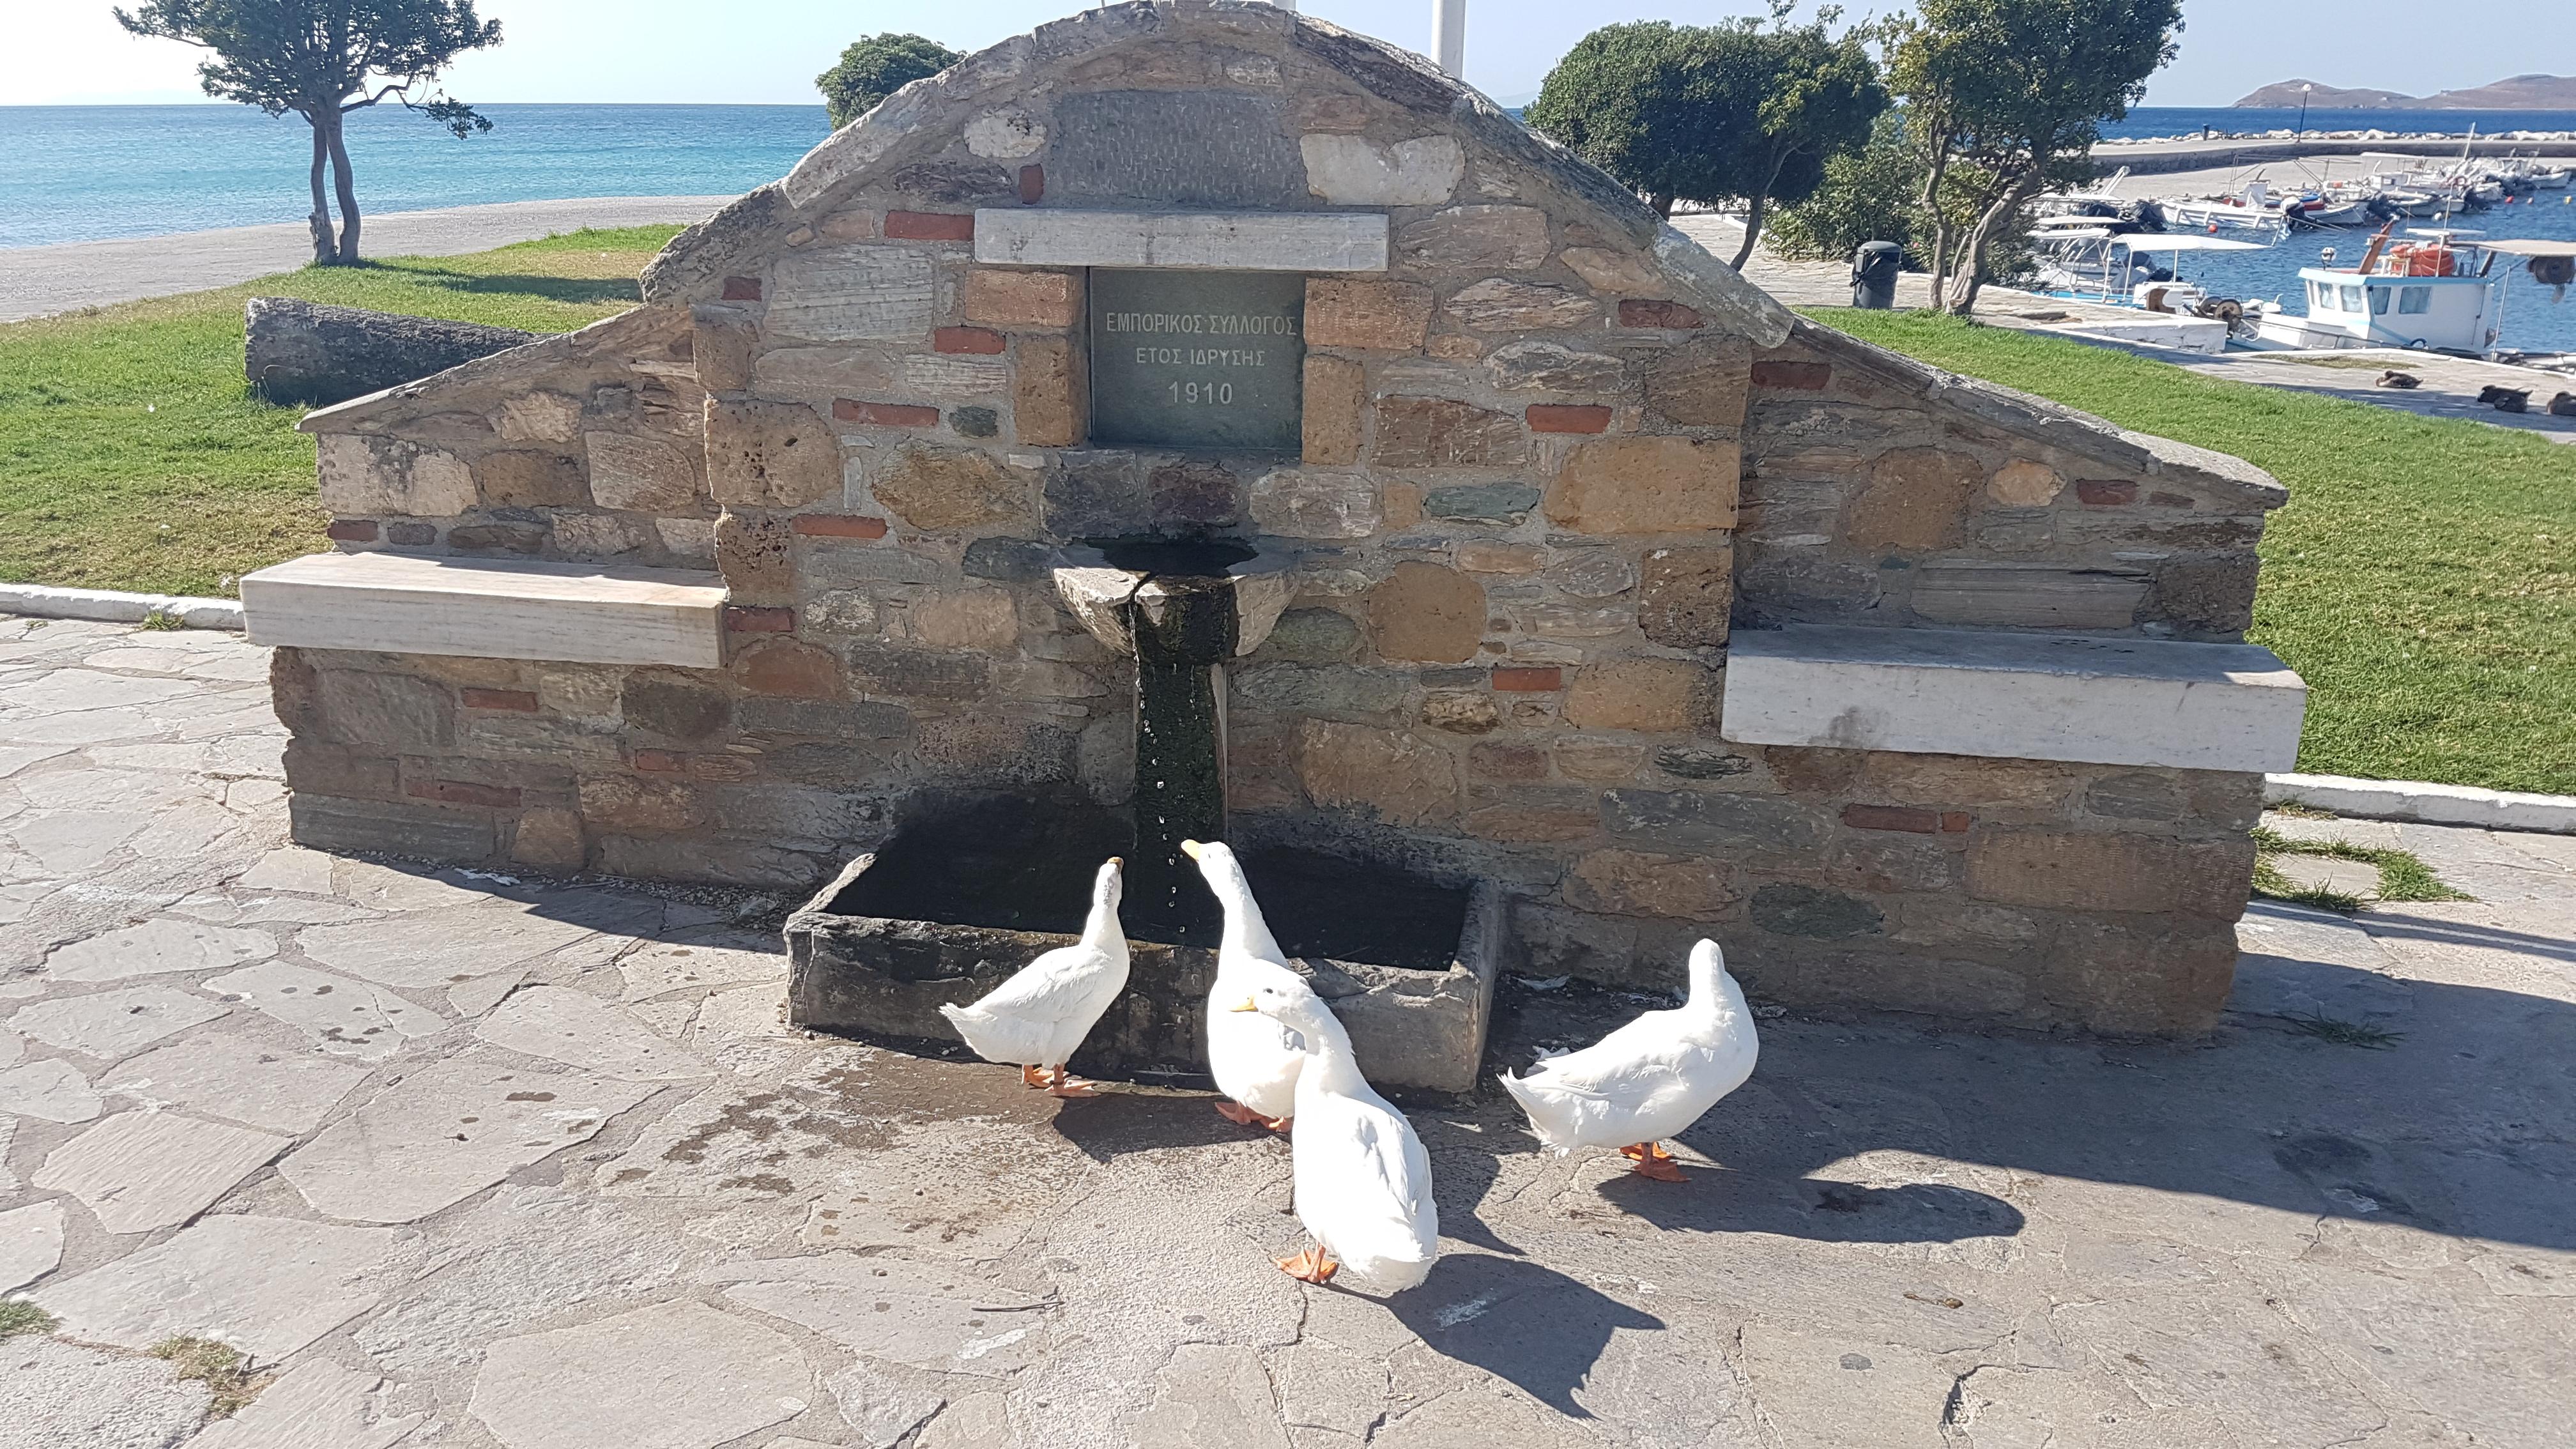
(2548, 178)
(2120, 269)
(2327, 210)
(2439, 290)
(2251, 212)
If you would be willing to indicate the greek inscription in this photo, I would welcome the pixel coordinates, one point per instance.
(1197, 359)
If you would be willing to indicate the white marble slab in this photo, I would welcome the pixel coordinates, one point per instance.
(2083, 698)
(1242, 241)
(582, 613)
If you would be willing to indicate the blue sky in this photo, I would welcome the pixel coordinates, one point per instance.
(71, 51)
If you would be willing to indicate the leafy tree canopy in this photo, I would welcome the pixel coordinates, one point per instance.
(323, 59)
(1714, 114)
(875, 68)
(1871, 195)
(2017, 89)
(323, 56)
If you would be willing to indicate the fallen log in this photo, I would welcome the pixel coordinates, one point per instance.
(306, 352)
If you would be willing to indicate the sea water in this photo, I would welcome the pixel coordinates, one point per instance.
(86, 173)
(2157, 123)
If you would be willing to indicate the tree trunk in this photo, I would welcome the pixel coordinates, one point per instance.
(325, 250)
(1934, 216)
(1662, 204)
(348, 189)
(1759, 206)
(1973, 263)
(1752, 231)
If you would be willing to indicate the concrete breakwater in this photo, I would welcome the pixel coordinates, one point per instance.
(2148, 158)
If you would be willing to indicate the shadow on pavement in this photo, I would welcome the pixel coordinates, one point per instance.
(2450, 1118)
(1117, 1122)
(1516, 1320)
(1719, 1200)
(2448, 1115)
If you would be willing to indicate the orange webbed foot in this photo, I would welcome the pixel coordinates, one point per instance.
(1066, 1084)
(1652, 1161)
(1310, 1266)
(1239, 1114)
(1275, 1124)
(1033, 1076)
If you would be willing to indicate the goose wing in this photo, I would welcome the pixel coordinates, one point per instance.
(1373, 1195)
(1060, 985)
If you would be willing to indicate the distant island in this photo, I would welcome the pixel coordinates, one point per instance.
(2520, 93)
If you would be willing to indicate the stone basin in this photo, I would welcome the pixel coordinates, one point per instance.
(1105, 583)
(955, 903)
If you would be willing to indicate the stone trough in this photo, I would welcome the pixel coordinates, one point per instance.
(966, 896)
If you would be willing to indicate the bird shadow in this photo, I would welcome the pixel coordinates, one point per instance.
(1115, 1124)
(1718, 1200)
(1536, 1327)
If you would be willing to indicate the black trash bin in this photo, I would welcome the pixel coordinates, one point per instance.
(1874, 268)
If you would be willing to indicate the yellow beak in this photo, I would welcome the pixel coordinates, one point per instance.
(1118, 860)
(1191, 848)
(1246, 1006)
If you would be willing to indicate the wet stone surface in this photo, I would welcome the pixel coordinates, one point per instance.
(551, 1172)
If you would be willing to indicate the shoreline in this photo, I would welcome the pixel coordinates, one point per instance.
(46, 281)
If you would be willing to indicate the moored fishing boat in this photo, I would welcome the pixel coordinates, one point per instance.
(2252, 212)
(2438, 290)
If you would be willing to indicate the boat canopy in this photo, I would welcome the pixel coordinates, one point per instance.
(2190, 242)
(2517, 248)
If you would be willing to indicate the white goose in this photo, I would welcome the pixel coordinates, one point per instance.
(1037, 1018)
(1363, 1182)
(1649, 1079)
(1255, 1061)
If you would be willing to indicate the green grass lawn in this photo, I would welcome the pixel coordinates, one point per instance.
(2422, 577)
(133, 455)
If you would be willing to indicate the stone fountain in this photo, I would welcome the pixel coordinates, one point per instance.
(972, 887)
(1180, 610)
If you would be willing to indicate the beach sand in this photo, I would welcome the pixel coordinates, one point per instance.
(41, 281)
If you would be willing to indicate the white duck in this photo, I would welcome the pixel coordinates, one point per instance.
(1363, 1182)
(1037, 1018)
(1255, 1061)
(1649, 1079)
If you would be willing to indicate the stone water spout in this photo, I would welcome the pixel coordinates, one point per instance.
(1180, 609)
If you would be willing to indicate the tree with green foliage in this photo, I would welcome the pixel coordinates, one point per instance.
(2017, 91)
(875, 68)
(1874, 194)
(1729, 113)
(323, 59)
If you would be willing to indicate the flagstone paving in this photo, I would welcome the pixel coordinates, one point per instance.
(471, 1162)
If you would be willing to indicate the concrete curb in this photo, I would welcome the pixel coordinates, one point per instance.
(110, 606)
(2430, 804)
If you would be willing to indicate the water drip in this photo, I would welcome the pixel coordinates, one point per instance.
(1180, 609)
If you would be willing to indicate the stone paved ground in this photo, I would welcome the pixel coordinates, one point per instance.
(472, 1162)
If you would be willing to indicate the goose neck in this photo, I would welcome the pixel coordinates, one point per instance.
(1330, 1063)
(1712, 991)
(1245, 931)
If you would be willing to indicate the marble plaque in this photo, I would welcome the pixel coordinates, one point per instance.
(1188, 359)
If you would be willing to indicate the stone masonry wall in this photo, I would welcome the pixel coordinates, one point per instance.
(1521, 552)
